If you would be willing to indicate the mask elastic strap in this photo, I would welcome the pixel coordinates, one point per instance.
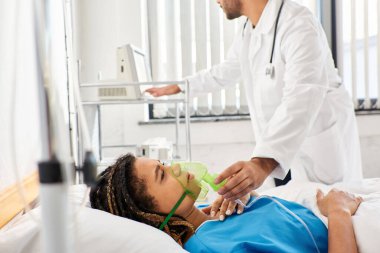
(163, 224)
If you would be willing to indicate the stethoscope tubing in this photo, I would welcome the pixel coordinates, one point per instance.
(275, 31)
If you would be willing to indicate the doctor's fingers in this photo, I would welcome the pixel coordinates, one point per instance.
(233, 182)
(242, 193)
(229, 172)
(166, 90)
(153, 91)
(158, 92)
(230, 187)
(240, 190)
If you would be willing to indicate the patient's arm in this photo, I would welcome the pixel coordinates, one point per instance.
(338, 207)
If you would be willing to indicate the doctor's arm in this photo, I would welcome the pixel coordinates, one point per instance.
(224, 74)
(217, 77)
(338, 207)
(305, 87)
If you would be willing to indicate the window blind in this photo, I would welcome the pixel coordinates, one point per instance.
(359, 50)
(190, 35)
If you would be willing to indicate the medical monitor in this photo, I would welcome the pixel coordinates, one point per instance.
(139, 65)
(133, 66)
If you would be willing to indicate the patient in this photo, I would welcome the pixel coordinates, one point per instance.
(142, 190)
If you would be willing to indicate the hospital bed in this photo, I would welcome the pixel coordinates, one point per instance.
(98, 231)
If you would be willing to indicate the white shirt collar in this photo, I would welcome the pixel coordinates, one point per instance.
(268, 17)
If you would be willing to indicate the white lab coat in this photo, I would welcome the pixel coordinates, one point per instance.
(303, 117)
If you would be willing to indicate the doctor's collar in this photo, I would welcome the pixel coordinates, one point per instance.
(268, 17)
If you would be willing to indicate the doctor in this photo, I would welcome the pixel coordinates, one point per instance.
(302, 116)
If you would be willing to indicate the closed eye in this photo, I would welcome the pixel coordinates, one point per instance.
(162, 175)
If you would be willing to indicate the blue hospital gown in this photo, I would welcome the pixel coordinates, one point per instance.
(269, 225)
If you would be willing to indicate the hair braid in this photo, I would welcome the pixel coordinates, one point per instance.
(119, 191)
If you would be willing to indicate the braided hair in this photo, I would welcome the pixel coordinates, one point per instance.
(120, 192)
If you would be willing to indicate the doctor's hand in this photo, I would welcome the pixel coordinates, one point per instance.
(245, 176)
(164, 91)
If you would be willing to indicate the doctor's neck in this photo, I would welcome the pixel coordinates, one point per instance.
(253, 9)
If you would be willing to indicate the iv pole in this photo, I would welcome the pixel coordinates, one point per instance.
(55, 165)
(53, 179)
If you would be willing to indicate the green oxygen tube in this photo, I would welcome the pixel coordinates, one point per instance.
(200, 172)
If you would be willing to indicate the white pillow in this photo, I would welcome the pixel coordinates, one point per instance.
(95, 231)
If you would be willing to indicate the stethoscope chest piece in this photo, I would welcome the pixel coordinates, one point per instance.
(269, 70)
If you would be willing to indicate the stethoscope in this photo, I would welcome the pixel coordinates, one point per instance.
(269, 70)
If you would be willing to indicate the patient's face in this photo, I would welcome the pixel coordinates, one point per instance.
(162, 186)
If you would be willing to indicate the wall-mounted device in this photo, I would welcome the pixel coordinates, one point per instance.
(132, 66)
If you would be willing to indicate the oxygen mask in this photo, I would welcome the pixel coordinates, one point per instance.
(194, 178)
(191, 186)
(200, 172)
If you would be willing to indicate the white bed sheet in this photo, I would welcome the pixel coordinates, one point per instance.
(366, 221)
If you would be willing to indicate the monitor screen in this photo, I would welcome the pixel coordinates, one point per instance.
(142, 70)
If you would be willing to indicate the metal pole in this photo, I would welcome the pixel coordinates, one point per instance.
(367, 99)
(353, 55)
(53, 188)
(177, 114)
(79, 134)
(187, 121)
(100, 133)
(378, 55)
(124, 84)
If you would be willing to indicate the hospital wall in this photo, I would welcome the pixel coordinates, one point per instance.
(102, 27)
